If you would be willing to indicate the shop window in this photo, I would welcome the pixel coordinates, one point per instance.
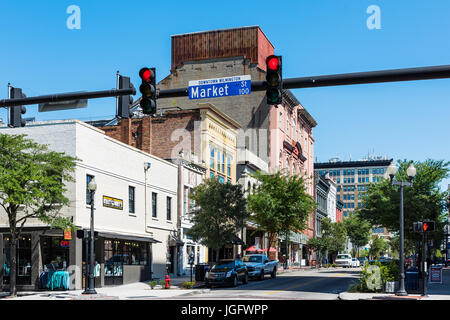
(23, 260)
(55, 253)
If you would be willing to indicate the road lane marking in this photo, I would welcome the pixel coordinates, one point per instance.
(305, 283)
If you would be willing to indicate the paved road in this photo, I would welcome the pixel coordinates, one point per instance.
(322, 284)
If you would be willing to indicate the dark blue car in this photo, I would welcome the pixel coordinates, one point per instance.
(227, 272)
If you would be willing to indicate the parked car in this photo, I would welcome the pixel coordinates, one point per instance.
(344, 260)
(227, 272)
(355, 263)
(362, 260)
(259, 265)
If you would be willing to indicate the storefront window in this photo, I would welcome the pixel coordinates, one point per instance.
(23, 258)
(55, 253)
(118, 253)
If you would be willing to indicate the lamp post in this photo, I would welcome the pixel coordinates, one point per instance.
(92, 186)
(411, 172)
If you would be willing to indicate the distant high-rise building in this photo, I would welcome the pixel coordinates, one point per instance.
(352, 179)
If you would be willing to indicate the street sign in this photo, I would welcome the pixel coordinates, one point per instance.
(63, 105)
(220, 87)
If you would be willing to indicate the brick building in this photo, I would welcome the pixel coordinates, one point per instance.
(281, 136)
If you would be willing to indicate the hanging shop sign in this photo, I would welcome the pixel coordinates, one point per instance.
(68, 234)
(111, 202)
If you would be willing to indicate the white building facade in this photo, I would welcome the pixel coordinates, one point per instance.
(135, 209)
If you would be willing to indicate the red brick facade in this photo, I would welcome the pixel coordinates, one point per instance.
(158, 136)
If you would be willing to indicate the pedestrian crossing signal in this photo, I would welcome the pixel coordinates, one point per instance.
(428, 226)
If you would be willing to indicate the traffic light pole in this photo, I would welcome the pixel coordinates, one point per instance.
(424, 264)
(67, 97)
(394, 75)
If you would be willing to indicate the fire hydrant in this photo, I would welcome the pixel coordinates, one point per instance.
(167, 281)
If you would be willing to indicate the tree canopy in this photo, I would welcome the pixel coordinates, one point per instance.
(221, 210)
(32, 186)
(423, 200)
(358, 231)
(280, 203)
(331, 241)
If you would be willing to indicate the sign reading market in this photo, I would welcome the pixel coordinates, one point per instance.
(111, 202)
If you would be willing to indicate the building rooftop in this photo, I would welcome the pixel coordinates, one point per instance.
(353, 164)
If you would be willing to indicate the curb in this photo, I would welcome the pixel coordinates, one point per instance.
(200, 291)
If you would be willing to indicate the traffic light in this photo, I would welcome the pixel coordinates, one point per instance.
(148, 90)
(274, 80)
(428, 226)
(417, 226)
(16, 112)
(123, 107)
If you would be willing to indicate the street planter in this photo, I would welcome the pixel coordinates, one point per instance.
(390, 286)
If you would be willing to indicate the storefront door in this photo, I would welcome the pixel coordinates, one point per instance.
(113, 262)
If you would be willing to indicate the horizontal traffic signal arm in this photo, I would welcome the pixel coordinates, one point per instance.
(409, 74)
(67, 97)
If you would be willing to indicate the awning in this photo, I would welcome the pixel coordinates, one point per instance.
(112, 235)
(253, 249)
(270, 250)
(237, 240)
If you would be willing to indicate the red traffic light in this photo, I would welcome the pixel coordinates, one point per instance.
(273, 63)
(145, 74)
(428, 226)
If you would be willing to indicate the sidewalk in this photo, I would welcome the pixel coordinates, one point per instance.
(435, 292)
(137, 290)
(133, 291)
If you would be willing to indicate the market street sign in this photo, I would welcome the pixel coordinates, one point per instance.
(220, 87)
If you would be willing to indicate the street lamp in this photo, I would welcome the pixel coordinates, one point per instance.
(92, 186)
(411, 172)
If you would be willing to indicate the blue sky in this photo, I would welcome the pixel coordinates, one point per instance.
(405, 120)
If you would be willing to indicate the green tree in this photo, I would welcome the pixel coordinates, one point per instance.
(423, 200)
(377, 246)
(319, 246)
(280, 204)
(220, 212)
(331, 241)
(358, 231)
(32, 186)
(335, 235)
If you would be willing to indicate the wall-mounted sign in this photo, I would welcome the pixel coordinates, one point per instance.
(111, 202)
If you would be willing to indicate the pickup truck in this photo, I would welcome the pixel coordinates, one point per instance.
(258, 265)
(344, 260)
